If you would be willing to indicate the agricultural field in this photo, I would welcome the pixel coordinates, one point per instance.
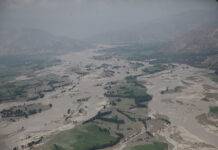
(213, 77)
(13, 66)
(88, 136)
(23, 111)
(30, 89)
(155, 68)
(152, 146)
(130, 89)
(135, 52)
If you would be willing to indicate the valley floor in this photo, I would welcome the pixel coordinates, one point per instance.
(84, 97)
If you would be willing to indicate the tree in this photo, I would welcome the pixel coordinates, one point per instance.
(68, 111)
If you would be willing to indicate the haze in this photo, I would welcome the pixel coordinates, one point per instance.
(108, 74)
(87, 18)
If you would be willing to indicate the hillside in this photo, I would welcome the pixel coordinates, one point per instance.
(159, 30)
(27, 50)
(198, 47)
(35, 41)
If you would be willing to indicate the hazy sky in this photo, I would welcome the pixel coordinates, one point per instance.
(85, 18)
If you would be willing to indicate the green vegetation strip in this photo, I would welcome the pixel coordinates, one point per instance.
(214, 110)
(131, 89)
(12, 66)
(155, 68)
(29, 89)
(138, 52)
(213, 77)
(113, 119)
(153, 146)
(127, 115)
(85, 137)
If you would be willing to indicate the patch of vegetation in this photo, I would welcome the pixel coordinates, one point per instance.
(102, 57)
(155, 68)
(126, 114)
(137, 52)
(151, 51)
(100, 114)
(133, 80)
(19, 111)
(153, 146)
(30, 89)
(130, 89)
(214, 110)
(191, 58)
(136, 65)
(174, 90)
(166, 120)
(213, 77)
(86, 137)
(14, 90)
(113, 119)
(12, 66)
(204, 120)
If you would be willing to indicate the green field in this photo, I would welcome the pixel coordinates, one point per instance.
(214, 110)
(113, 119)
(130, 89)
(213, 77)
(155, 68)
(153, 146)
(136, 52)
(12, 66)
(29, 89)
(86, 137)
